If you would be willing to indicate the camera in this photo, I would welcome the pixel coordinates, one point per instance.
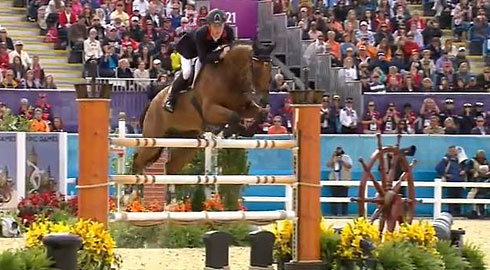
(409, 151)
(339, 152)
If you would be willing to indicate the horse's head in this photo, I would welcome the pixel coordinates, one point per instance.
(262, 70)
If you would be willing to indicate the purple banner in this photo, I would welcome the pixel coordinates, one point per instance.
(63, 104)
(416, 100)
(240, 13)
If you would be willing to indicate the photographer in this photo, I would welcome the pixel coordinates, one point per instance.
(478, 171)
(340, 165)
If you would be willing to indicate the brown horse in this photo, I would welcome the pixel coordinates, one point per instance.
(223, 94)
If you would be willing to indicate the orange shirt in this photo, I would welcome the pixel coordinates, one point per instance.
(335, 49)
(39, 126)
(277, 130)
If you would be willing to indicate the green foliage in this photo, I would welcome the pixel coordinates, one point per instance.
(129, 236)
(232, 162)
(26, 259)
(14, 123)
(178, 236)
(10, 261)
(198, 198)
(329, 245)
(35, 259)
(475, 256)
(63, 216)
(422, 259)
(173, 235)
(87, 261)
(451, 257)
(394, 256)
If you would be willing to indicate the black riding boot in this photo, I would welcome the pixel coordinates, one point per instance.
(178, 85)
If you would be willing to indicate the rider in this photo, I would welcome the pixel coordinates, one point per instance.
(208, 43)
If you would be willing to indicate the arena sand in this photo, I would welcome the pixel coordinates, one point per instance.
(477, 231)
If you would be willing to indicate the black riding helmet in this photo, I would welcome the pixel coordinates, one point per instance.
(216, 16)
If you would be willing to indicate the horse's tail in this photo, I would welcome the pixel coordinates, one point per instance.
(143, 115)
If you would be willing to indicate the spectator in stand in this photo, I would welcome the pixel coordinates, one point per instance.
(142, 6)
(38, 70)
(108, 62)
(111, 38)
(24, 56)
(326, 123)
(314, 32)
(363, 33)
(45, 107)
(432, 30)
(480, 30)
(410, 117)
(49, 83)
(99, 25)
(18, 69)
(350, 71)
(120, 14)
(448, 73)
(461, 58)
(451, 170)
(77, 8)
(91, 47)
(144, 56)
(123, 70)
(25, 109)
(347, 46)
(57, 125)
(278, 84)
(29, 82)
(427, 110)
(393, 85)
(348, 118)
(334, 45)
(4, 38)
(164, 56)
(483, 79)
(340, 165)
(77, 34)
(286, 113)
(466, 119)
(399, 61)
(463, 77)
(142, 76)
(317, 47)
(450, 127)
(448, 110)
(9, 80)
(376, 85)
(391, 119)
(473, 85)
(134, 126)
(66, 17)
(383, 33)
(434, 127)
(371, 121)
(277, 127)
(156, 69)
(158, 85)
(480, 128)
(449, 48)
(38, 124)
(380, 62)
(479, 110)
(4, 57)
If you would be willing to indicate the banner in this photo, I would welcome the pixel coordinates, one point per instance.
(12, 169)
(46, 157)
(240, 13)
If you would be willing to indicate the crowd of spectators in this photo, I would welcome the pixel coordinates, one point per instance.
(39, 115)
(127, 39)
(18, 69)
(389, 48)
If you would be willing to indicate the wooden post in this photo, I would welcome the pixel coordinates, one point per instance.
(93, 134)
(308, 211)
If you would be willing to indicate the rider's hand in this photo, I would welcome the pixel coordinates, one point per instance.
(224, 52)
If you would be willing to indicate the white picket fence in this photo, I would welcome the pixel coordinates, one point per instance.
(437, 200)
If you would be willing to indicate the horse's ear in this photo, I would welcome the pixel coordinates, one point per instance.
(270, 48)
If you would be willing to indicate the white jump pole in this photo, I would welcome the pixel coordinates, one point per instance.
(204, 179)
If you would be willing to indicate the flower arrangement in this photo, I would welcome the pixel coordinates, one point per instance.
(214, 203)
(181, 206)
(136, 206)
(353, 234)
(97, 244)
(420, 233)
(43, 204)
(283, 231)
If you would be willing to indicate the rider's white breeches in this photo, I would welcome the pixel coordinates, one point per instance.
(186, 65)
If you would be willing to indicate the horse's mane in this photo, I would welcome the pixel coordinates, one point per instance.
(237, 64)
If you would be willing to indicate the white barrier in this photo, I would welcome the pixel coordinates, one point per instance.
(203, 143)
(224, 216)
(437, 201)
(204, 179)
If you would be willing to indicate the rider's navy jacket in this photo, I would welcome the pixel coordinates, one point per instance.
(199, 43)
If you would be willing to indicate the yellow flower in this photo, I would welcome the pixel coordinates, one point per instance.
(353, 234)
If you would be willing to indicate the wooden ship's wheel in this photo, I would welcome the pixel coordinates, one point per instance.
(394, 169)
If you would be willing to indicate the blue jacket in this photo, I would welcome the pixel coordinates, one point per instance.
(453, 170)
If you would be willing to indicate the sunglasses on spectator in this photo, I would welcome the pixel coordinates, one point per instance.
(371, 105)
(277, 121)
(480, 121)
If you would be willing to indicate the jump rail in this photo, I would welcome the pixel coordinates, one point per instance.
(204, 179)
(225, 216)
(203, 143)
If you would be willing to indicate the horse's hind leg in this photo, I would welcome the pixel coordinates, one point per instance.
(179, 157)
(143, 157)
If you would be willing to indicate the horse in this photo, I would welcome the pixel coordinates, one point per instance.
(223, 93)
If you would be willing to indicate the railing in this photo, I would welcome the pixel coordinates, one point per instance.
(437, 200)
(126, 84)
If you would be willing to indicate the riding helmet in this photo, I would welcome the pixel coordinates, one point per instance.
(216, 16)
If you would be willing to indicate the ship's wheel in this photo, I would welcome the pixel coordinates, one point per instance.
(394, 169)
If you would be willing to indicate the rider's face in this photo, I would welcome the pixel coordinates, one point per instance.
(216, 30)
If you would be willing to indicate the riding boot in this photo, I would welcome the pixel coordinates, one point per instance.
(178, 85)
